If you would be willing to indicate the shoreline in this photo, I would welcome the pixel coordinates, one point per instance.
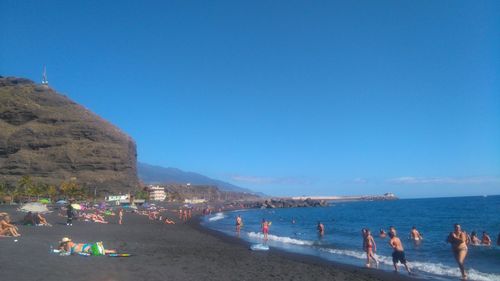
(184, 252)
(377, 274)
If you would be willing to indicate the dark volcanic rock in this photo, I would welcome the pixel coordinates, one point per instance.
(51, 138)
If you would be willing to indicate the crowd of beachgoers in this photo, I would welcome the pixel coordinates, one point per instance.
(101, 214)
(89, 212)
(459, 240)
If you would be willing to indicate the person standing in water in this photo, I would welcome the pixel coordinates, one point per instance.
(265, 228)
(398, 255)
(458, 241)
(415, 234)
(474, 240)
(369, 246)
(321, 229)
(239, 223)
(393, 230)
(486, 240)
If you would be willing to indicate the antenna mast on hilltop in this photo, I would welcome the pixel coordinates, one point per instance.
(44, 76)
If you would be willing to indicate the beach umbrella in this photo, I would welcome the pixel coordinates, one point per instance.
(130, 207)
(76, 206)
(62, 202)
(34, 208)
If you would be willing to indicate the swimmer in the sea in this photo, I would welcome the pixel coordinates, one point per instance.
(393, 230)
(474, 240)
(382, 233)
(486, 240)
(415, 234)
(239, 222)
(458, 241)
(321, 229)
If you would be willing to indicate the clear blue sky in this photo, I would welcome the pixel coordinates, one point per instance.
(283, 97)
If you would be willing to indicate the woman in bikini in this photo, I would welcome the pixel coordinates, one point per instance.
(369, 246)
(458, 241)
(265, 228)
(69, 246)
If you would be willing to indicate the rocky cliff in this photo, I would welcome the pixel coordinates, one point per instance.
(49, 137)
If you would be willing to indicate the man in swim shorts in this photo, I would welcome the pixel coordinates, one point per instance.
(458, 241)
(398, 255)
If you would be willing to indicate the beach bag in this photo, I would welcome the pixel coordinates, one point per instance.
(97, 249)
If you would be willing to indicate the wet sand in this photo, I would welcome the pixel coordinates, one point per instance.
(161, 252)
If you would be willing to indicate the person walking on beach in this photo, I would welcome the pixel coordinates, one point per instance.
(239, 223)
(265, 228)
(369, 247)
(458, 241)
(398, 255)
(69, 213)
(321, 229)
(120, 216)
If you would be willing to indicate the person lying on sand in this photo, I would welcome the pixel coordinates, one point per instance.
(169, 221)
(69, 246)
(6, 228)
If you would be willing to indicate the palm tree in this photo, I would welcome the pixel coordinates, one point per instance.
(52, 192)
(25, 186)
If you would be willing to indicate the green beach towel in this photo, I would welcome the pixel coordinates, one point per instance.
(97, 249)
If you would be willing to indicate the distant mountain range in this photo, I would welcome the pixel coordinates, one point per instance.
(151, 174)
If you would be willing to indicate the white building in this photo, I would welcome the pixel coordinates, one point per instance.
(121, 197)
(157, 193)
(194, 201)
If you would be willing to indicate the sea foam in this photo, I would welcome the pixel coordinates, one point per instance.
(217, 216)
(281, 239)
(426, 267)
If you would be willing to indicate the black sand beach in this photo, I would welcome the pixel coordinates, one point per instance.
(161, 252)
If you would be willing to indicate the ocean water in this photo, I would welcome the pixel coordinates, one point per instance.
(434, 218)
